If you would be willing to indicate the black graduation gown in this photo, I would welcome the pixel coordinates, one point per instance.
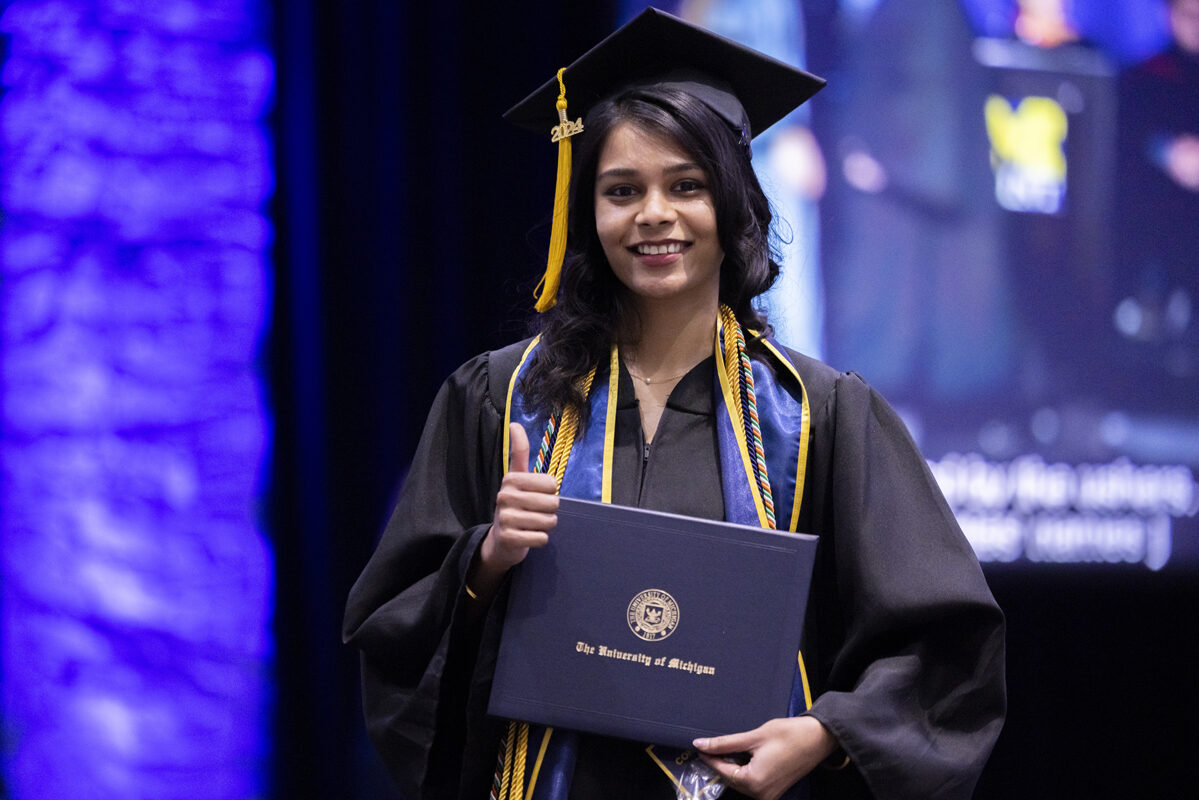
(903, 641)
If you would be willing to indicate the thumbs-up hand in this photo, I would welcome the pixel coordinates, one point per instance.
(525, 509)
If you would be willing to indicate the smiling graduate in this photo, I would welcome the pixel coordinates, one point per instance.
(653, 383)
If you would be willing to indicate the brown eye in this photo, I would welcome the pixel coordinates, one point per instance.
(620, 190)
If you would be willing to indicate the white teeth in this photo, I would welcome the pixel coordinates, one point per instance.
(659, 249)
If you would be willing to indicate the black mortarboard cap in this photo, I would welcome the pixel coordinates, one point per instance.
(748, 89)
(738, 82)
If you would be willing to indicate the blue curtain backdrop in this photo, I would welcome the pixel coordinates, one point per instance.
(135, 288)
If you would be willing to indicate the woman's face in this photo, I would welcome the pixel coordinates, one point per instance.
(655, 219)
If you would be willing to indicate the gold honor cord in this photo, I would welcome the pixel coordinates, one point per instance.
(568, 432)
(732, 361)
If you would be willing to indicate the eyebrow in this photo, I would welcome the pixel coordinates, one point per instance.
(626, 172)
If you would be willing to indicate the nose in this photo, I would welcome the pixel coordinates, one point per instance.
(656, 209)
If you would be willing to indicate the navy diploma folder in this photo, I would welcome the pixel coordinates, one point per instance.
(653, 627)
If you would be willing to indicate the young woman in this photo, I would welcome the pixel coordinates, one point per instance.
(669, 246)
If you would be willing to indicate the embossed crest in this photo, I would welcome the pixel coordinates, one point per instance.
(653, 615)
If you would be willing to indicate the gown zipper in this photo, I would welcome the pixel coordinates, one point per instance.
(644, 468)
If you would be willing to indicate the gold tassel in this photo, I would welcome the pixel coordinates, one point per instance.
(547, 290)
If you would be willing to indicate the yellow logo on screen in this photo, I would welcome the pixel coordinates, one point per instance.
(1028, 153)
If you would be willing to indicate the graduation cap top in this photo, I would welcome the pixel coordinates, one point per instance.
(748, 89)
(656, 47)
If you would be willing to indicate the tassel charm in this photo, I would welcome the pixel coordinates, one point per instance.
(565, 129)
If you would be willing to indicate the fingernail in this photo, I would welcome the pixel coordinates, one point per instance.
(699, 744)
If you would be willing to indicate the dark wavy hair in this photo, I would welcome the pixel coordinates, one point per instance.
(592, 305)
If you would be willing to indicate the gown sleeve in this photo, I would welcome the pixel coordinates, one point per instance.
(405, 611)
(909, 641)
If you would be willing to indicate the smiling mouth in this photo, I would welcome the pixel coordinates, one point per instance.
(650, 249)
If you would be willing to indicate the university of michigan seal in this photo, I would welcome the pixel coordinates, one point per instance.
(653, 615)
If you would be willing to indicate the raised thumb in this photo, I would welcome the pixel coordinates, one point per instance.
(518, 448)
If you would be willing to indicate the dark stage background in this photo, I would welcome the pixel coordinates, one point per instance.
(412, 227)
(242, 243)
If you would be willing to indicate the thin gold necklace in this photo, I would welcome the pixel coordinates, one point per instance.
(648, 381)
